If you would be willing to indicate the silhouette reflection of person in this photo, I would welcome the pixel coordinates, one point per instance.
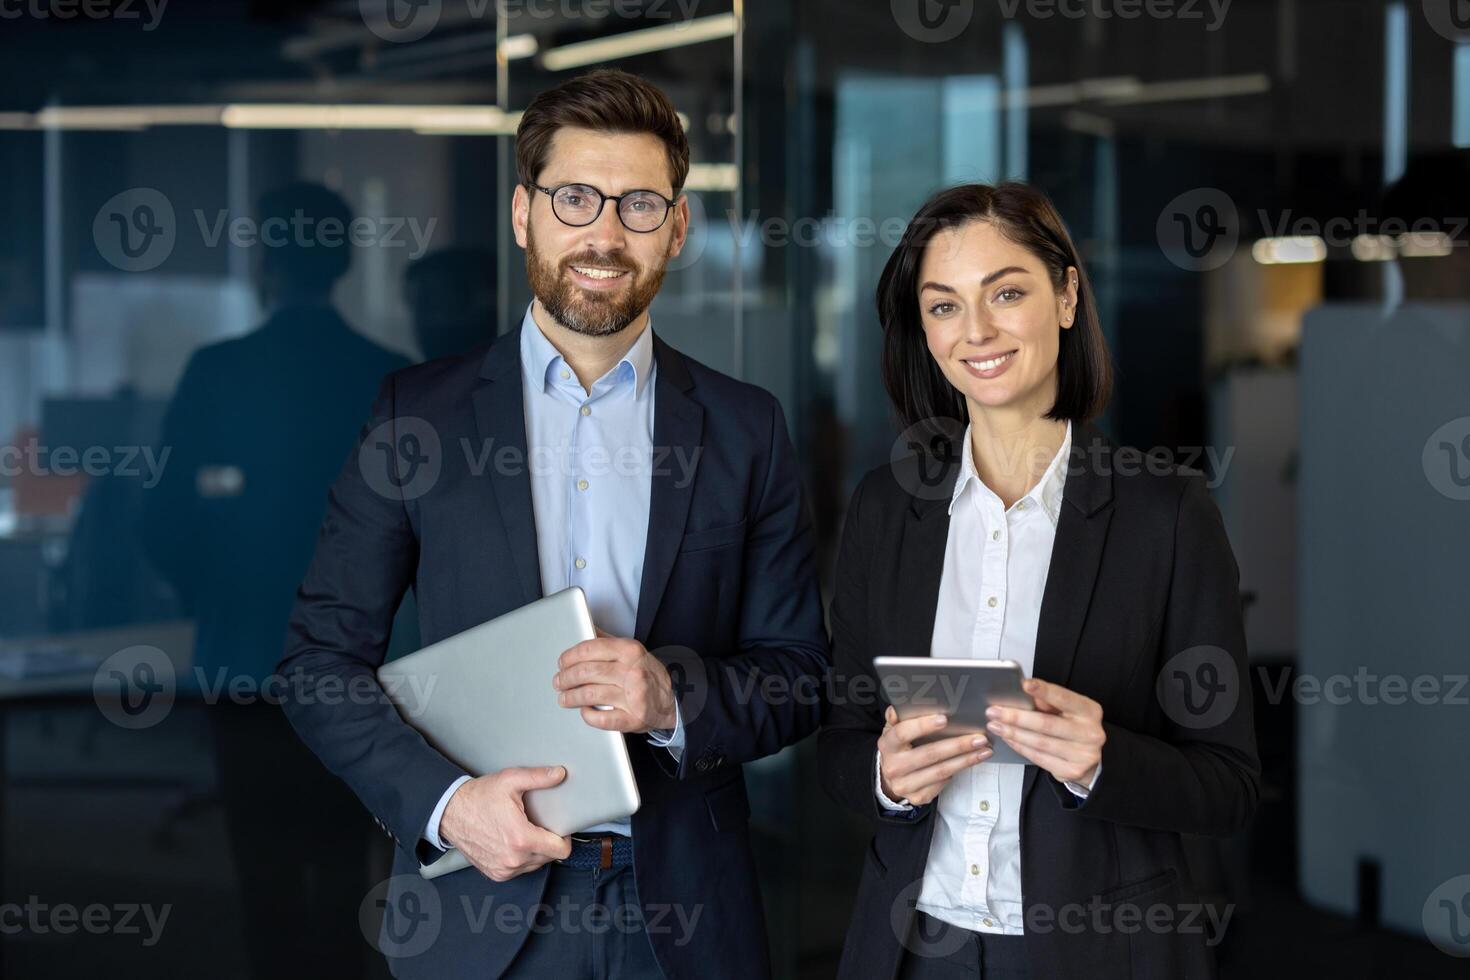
(451, 295)
(259, 426)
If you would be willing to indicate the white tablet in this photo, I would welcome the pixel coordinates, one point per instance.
(959, 689)
(484, 698)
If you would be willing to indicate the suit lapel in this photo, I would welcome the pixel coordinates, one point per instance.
(500, 417)
(678, 426)
(1082, 530)
(920, 567)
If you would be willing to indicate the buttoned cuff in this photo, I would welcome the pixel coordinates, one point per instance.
(671, 740)
(902, 806)
(1080, 791)
(431, 829)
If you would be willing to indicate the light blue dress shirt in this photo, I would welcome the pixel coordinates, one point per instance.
(589, 457)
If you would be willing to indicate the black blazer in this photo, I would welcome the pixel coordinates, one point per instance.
(729, 593)
(1140, 571)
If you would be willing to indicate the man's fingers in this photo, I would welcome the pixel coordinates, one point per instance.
(590, 694)
(587, 672)
(548, 845)
(602, 648)
(523, 779)
(616, 720)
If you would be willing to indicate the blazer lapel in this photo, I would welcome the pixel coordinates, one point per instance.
(678, 426)
(920, 567)
(500, 417)
(1082, 529)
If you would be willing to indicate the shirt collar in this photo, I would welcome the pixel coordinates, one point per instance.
(540, 358)
(1048, 490)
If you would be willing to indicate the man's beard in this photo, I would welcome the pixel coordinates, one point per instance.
(582, 310)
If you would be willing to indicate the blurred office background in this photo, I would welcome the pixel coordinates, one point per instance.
(1224, 167)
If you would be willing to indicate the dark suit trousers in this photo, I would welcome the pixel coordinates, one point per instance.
(590, 926)
(937, 950)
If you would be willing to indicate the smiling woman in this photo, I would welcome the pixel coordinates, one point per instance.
(1049, 548)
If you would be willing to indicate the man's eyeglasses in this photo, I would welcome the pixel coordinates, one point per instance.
(579, 205)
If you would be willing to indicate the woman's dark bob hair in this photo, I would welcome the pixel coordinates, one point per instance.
(920, 392)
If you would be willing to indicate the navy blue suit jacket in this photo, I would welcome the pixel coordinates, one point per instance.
(729, 596)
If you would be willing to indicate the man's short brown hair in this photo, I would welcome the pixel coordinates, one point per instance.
(606, 100)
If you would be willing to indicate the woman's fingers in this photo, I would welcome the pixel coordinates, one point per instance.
(897, 737)
(923, 785)
(912, 760)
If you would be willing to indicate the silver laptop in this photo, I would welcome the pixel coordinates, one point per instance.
(484, 698)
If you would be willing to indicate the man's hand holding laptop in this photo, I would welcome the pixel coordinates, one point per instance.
(618, 686)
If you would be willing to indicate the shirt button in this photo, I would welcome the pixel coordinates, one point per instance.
(990, 602)
(984, 806)
(580, 563)
(565, 375)
(974, 869)
(987, 922)
(586, 410)
(1021, 505)
(995, 535)
(583, 484)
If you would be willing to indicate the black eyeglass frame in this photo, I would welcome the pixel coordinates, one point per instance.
(551, 192)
